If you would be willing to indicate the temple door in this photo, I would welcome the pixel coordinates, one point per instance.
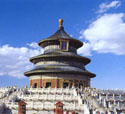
(59, 108)
(21, 107)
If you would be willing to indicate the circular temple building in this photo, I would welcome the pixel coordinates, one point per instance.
(59, 66)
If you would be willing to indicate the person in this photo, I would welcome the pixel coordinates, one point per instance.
(90, 111)
(98, 112)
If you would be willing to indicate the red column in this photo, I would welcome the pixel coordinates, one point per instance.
(40, 83)
(30, 83)
(57, 80)
(67, 112)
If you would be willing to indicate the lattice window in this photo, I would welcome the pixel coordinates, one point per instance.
(64, 45)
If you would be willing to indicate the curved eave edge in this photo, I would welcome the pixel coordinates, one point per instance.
(47, 56)
(52, 39)
(29, 73)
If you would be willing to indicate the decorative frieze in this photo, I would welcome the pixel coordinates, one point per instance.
(53, 48)
(70, 63)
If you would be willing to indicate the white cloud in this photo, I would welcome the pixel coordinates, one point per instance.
(14, 61)
(85, 49)
(105, 35)
(33, 45)
(104, 7)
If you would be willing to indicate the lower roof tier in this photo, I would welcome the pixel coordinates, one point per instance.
(60, 55)
(59, 69)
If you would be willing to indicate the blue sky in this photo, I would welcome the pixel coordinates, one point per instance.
(100, 24)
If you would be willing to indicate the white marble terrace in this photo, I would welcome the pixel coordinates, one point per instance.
(43, 100)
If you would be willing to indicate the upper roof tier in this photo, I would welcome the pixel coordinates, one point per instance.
(60, 34)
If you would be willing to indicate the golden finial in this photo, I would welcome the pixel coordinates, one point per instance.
(60, 22)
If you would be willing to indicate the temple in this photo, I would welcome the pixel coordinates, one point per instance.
(60, 83)
(59, 66)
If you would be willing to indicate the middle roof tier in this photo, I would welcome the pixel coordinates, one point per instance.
(66, 56)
